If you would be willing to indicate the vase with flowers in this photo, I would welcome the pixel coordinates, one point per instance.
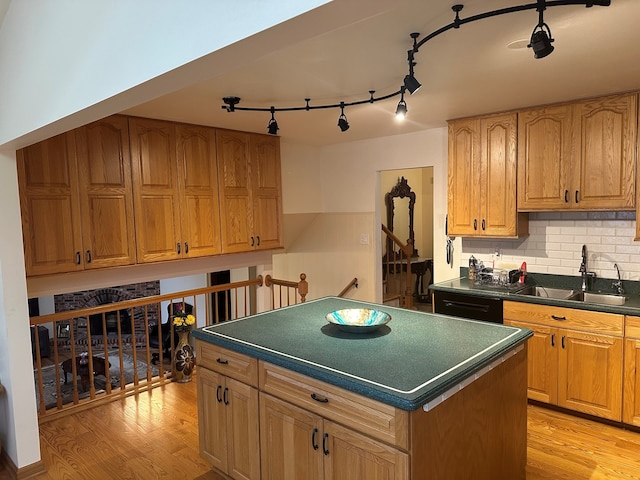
(183, 359)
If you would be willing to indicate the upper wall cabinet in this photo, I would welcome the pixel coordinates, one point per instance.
(175, 190)
(482, 178)
(578, 156)
(76, 200)
(250, 191)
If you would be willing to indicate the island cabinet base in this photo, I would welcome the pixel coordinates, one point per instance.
(479, 432)
(318, 431)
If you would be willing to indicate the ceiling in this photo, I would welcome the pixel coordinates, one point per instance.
(466, 71)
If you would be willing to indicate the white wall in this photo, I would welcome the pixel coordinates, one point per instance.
(344, 182)
(18, 415)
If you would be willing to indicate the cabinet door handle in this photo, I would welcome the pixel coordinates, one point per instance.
(320, 399)
(484, 225)
(556, 317)
(553, 339)
(563, 337)
(313, 439)
(178, 247)
(325, 437)
(88, 256)
(577, 196)
(78, 258)
(258, 237)
(566, 196)
(221, 361)
(218, 397)
(252, 241)
(475, 224)
(186, 247)
(225, 397)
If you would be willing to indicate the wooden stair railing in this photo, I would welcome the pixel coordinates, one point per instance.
(86, 330)
(296, 289)
(396, 270)
(350, 285)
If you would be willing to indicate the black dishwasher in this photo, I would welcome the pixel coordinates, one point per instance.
(487, 309)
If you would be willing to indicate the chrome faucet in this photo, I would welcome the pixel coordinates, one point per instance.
(586, 275)
(617, 286)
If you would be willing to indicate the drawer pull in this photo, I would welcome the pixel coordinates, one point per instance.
(325, 437)
(320, 399)
(222, 362)
(218, 397)
(313, 439)
(556, 317)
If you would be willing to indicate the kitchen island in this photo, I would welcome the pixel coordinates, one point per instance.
(284, 394)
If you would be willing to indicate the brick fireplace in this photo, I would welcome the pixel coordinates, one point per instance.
(104, 296)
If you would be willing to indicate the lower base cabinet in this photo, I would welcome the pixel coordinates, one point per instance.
(575, 357)
(298, 444)
(631, 394)
(228, 425)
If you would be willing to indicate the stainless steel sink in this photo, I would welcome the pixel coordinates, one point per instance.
(545, 292)
(601, 298)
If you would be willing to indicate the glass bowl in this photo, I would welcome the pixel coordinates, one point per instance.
(358, 320)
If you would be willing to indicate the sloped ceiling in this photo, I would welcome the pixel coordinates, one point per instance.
(466, 71)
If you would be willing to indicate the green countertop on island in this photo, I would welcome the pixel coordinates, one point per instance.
(407, 363)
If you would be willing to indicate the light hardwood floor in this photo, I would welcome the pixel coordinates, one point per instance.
(155, 436)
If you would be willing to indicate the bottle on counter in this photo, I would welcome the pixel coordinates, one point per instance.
(473, 265)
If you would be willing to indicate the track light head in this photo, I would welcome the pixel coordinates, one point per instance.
(541, 41)
(411, 84)
(342, 123)
(273, 128)
(401, 110)
(342, 120)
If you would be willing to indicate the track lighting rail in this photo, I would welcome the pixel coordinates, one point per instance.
(540, 43)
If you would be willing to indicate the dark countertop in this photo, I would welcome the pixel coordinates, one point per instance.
(463, 285)
(407, 363)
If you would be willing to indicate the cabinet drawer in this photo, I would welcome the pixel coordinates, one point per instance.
(227, 362)
(632, 327)
(368, 416)
(596, 322)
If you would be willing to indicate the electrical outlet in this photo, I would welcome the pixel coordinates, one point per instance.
(364, 239)
(498, 252)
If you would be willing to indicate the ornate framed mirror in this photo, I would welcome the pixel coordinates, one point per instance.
(400, 202)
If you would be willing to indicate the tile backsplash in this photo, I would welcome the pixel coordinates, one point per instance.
(555, 240)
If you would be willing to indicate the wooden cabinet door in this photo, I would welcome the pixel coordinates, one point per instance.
(352, 456)
(106, 195)
(631, 393)
(243, 430)
(604, 149)
(590, 373)
(198, 177)
(290, 441)
(464, 177)
(498, 175)
(542, 362)
(544, 158)
(266, 190)
(155, 188)
(50, 206)
(236, 213)
(212, 424)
